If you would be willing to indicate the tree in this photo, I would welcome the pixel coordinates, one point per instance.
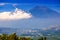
(4, 37)
(0, 37)
(13, 37)
(40, 38)
(44, 38)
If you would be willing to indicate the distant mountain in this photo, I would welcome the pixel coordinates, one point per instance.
(44, 12)
(18, 31)
(30, 32)
(55, 30)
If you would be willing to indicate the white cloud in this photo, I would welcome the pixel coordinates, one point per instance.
(1, 4)
(17, 14)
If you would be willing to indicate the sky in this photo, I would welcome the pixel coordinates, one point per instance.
(31, 1)
(15, 13)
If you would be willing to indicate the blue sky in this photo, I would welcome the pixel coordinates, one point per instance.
(31, 1)
(7, 6)
(55, 4)
(27, 6)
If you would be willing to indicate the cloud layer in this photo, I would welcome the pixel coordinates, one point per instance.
(17, 14)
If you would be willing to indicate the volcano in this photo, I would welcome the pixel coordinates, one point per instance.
(44, 12)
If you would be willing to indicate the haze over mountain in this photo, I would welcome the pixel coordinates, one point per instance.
(54, 30)
(31, 32)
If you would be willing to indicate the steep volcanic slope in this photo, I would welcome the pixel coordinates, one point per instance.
(43, 12)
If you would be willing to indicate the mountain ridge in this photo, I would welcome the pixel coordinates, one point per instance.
(44, 12)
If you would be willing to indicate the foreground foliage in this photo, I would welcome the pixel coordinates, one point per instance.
(15, 37)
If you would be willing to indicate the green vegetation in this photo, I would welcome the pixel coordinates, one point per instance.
(15, 37)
